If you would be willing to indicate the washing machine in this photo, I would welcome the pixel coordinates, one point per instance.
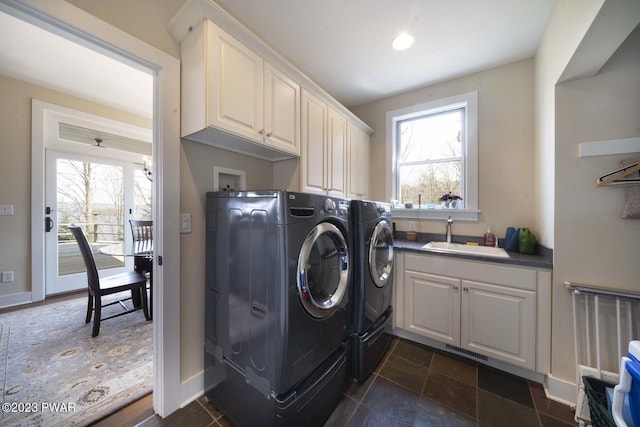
(372, 287)
(277, 305)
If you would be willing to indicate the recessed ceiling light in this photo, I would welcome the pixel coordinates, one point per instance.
(402, 41)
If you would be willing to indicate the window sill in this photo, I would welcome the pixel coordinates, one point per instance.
(440, 214)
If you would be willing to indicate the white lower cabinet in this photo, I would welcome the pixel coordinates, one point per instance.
(486, 308)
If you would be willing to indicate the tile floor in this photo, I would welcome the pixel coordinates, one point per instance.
(419, 386)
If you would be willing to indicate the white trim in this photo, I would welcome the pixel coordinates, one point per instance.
(19, 298)
(241, 177)
(559, 390)
(191, 389)
(468, 100)
(72, 23)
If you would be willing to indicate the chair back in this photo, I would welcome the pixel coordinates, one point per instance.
(142, 232)
(87, 256)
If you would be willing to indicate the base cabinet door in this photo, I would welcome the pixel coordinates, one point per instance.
(432, 306)
(499, 322)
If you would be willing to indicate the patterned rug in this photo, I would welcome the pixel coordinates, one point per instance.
(52, 372)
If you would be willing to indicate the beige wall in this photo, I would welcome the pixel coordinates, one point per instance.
(505, 141)
(196, 178)
(144, 19)
(15, 169)
(593, 244)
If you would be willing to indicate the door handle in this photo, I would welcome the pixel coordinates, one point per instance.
(48, 224)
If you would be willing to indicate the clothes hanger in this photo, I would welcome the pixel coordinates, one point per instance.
(613, 178)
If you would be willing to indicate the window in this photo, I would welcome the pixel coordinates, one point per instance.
(434, 152)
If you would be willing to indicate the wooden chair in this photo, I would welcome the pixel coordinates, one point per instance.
(142, 232)
(98, 287)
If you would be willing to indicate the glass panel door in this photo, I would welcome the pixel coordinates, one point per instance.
(92, 193)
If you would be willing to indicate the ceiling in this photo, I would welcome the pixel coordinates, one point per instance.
(39, 57)
(342, 45)
(345, 45)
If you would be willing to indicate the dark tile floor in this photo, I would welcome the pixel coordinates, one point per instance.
(422, 387)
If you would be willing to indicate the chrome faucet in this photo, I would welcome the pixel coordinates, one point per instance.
(449, 222)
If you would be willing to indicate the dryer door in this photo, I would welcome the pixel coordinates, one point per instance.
(381, 254)
(323, 270)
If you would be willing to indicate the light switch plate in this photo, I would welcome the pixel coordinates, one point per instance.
(185, 223)
(6, 209)
(7, 277)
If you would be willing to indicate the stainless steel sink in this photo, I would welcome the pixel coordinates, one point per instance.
(462, 249)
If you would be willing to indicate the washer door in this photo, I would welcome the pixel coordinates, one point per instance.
(323, 270)
(381, 254)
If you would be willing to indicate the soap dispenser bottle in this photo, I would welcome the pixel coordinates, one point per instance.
(489, 238)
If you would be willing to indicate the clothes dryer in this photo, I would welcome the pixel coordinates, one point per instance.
(278, 315)
(372, 288)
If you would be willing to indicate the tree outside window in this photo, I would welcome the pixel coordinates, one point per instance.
(430, 156)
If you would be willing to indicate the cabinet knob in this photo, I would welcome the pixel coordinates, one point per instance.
(269, 134)
(465, 289)
(455, 288)
(261, 131)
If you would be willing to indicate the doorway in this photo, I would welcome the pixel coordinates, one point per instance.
(73, 24)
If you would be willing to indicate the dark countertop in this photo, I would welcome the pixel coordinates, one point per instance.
(543, 259)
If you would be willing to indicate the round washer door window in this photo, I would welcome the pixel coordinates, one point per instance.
(323, 270)
(381, 254)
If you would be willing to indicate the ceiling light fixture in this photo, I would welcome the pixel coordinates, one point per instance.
(403, 41)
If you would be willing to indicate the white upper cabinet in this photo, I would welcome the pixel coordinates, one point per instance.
(281, 111)
(336, 154)
(240, 94)
(233, 98)
(314, 144)
(236, 93)
(358, 163)
(323, 158)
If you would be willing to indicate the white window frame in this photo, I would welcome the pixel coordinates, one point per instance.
(469, 101)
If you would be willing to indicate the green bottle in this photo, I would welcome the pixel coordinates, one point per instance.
(527, 241)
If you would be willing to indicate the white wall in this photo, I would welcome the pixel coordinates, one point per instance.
(505, 140)
(570, 20)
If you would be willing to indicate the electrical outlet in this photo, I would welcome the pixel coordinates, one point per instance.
(7, 277)
(6, 209)
(412, 226)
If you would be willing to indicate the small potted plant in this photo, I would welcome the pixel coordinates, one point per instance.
(450, 200)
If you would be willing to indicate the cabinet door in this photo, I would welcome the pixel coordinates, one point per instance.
(336, 148)
(236, 101)
(432, 306)
(281, 111)
(358, 163)
(499, 322)
(314, 140)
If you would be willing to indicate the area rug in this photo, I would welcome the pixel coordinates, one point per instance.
(53, 373)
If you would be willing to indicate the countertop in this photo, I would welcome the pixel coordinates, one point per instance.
(543, 259)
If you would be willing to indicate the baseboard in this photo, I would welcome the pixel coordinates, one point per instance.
(559, 390)
(191, 389)
(11, 300)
